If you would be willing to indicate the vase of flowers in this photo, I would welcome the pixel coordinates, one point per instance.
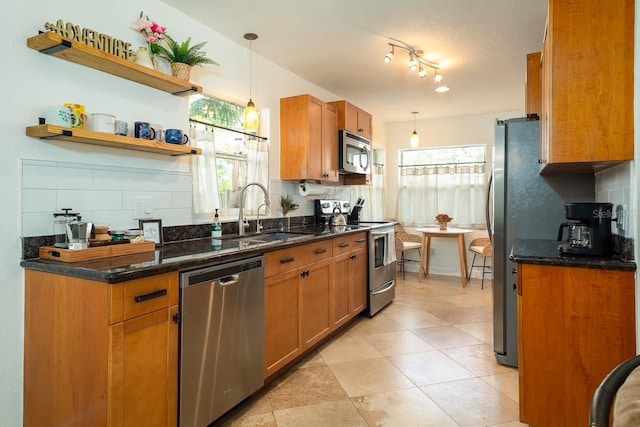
(287, 204)
(443, 220)
(153, 34)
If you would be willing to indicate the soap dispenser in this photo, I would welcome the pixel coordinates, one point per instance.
(216, 232)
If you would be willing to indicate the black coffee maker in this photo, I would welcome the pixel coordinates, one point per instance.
(589, 229)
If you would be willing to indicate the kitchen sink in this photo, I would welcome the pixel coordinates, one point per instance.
(267, 238)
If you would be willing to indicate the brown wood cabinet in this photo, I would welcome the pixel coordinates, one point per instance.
(350, 277)
(308, 139)
(533, 91)
(288, 329)
(311, 290)
(100, 354)
(587, 85)
(574, 326)
(354, 119)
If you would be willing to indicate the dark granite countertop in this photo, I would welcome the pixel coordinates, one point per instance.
(182, 255)
(545, 252)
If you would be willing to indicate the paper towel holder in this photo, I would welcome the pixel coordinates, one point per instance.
(310, 188)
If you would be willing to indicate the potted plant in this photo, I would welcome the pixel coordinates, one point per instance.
(182, 56)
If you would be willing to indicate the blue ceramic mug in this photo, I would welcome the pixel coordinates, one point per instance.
(175, 136)
(143, 130)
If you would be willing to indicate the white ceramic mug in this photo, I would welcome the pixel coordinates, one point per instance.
(105, 123)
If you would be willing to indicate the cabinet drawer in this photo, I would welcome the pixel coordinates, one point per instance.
(141, 296)
(297, 256)
(359, 241)
(342, 245)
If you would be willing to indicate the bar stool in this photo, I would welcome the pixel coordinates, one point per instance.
(481, 246)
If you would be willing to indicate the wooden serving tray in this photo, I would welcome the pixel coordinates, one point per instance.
(66, 255)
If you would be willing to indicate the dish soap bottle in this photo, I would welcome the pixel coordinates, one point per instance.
(216, 232)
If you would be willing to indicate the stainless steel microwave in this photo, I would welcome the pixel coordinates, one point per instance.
(355, 153)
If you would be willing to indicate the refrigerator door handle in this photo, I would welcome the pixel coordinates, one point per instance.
(488, 208)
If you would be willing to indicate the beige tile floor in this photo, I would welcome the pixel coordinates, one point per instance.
(425, 360)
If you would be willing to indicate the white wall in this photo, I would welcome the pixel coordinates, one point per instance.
(31, 81)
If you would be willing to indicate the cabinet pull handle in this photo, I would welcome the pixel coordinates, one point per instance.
(361, 240)
(352, 257)
(320, 251)
(305, 273)
(176, 318)
(152, 295)
(344, 245)
(287, 260)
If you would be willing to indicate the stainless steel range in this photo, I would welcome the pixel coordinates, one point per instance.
(382, 265)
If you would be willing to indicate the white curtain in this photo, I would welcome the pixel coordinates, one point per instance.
(257, 171)
(203, 168)
(373, 208)
(457, 190)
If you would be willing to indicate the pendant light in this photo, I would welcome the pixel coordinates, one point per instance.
(251, 119)
(415, 139)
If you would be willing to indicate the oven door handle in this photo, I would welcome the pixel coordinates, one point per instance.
(386, 288)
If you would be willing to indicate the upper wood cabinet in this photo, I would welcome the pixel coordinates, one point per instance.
(587, 85)
(533, 91)
(308, 139)
(353, 119)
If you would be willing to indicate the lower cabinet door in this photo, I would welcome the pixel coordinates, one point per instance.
(144, 370)
(358, 281)
(315, 292)
(282, 328)
(341, 289)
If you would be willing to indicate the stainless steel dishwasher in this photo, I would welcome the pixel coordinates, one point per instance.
(221, 338)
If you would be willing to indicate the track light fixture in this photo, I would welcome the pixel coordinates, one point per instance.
(417, 62)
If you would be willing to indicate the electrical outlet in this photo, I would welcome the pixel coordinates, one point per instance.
(142, 207)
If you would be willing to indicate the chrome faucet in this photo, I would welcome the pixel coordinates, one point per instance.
(241, 210)
(259, 226)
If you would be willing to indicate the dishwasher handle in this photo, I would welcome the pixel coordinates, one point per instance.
(230, 280)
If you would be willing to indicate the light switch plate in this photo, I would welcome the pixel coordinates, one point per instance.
(142, 207)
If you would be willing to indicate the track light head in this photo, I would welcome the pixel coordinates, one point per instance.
(389, 56)
(438, 77)
(422, 73)
(413, 62)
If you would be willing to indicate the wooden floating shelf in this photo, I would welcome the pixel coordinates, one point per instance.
(83, 136)
(80, 53)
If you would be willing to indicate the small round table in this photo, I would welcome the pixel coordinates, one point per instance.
(450, 232)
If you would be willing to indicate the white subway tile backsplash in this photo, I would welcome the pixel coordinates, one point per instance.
(181, 199)
(101, 194)
(170, 182)
(34, 200)
(118, 180)
(55, 177)
(37, 224)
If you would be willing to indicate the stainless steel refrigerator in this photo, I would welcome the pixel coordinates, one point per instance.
(525, 205)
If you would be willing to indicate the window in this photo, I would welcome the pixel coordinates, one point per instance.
(231, 157)
(447, 180)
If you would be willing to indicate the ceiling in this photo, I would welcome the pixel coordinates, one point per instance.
(339, 45)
